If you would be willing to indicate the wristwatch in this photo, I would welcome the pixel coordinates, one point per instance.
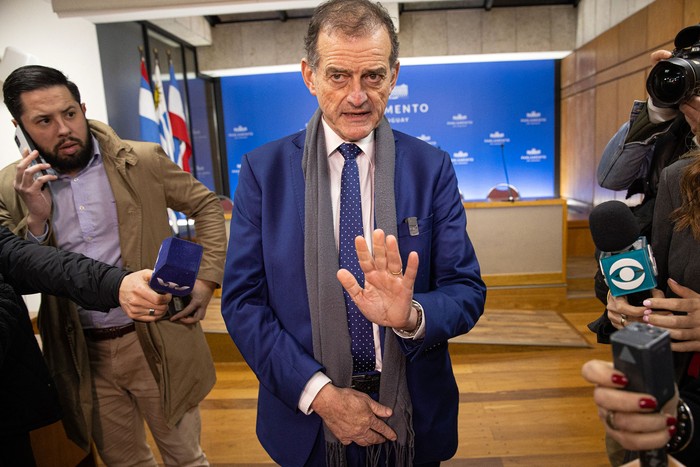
(419, 321)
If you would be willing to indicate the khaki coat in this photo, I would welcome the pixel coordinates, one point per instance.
(144, 182)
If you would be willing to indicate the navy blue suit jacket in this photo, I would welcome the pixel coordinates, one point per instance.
(265, 303)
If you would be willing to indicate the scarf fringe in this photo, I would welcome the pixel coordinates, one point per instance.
(335, 455)
(402, 455)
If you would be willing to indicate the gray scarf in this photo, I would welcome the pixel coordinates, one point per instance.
(329, 322)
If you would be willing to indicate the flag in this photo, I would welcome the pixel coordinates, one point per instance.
(181, 139)
(147, 109)
(166, 134)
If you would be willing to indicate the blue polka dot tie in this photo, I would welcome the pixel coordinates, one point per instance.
(361, 335)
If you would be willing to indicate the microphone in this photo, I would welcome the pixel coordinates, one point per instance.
(643, 353)
(175, 271)
(626, 259)
(511, 198)
(498, 193)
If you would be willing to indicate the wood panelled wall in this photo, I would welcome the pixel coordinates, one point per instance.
(599, 83)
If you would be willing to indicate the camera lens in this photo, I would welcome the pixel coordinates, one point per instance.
(671, 82)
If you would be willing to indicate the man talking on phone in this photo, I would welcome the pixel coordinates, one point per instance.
(109, 201)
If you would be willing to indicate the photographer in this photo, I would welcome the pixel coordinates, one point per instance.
(654, 137)
(657, 133)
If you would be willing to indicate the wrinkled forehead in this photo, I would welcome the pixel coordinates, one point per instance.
(335, 45)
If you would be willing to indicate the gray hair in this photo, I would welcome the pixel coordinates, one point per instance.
(353, 18)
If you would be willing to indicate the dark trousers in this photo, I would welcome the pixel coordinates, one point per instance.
(16, 451)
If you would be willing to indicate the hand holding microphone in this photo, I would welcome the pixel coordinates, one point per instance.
(625, 259)
(197, 308)
(175, 273)
(138, 300)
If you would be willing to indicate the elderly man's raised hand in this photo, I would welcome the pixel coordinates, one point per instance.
(388, 292)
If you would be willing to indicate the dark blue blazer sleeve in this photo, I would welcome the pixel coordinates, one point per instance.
(449, 284)
(264, 301)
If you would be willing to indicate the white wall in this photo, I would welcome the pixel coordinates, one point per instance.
(69, 45)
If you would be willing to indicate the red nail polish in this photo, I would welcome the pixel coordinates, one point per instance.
(620, 379)
(646, 403)
(672, 430)
(671, 421)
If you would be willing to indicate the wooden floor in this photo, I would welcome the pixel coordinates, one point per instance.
(519, 405)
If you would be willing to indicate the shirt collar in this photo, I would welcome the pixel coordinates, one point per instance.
(333, 141)
(96, 158)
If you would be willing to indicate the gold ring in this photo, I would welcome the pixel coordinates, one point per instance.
(151, 312)
(610, 419)
(396, 273)
(623, 320)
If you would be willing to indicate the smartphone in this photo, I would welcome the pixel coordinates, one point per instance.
(25, 142)
(177, 304)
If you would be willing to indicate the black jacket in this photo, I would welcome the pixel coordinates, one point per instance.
(669, 145)
(28, 399)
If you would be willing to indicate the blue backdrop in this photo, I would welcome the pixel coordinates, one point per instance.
(481, 113)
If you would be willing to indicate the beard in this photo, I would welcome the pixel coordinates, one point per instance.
(78, 161)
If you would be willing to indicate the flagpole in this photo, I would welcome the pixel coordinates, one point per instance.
(165, 129)
(178, 126)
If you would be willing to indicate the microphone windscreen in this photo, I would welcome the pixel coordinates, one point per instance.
(613, 226)
(177, 266)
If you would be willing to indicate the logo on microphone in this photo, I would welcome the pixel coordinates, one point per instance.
(630, 271)
(173, 285)
(627, 273)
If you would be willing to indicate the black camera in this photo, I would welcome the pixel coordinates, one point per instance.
(677, 79)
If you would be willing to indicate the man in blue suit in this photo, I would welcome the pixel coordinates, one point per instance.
(340, 386)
